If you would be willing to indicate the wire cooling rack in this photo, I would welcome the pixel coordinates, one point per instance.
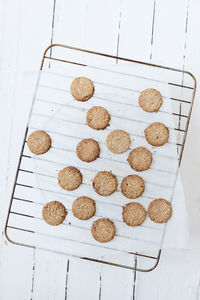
(54, 110)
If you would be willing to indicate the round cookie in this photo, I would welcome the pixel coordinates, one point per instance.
(150, 100)
(83, 208)
(132, 186)
(103, 230)
(105, 183)
(54, 213)
(157, 134)
(98, 117)
(69, 178)
(118, 141)
(160, 210)
(133, 214)
(39, 142)
(87, 150)
(140, 159)
(82, 88)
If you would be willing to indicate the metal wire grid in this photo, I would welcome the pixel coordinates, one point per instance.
(179, 115)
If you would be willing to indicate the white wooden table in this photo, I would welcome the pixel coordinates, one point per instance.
(164, 32)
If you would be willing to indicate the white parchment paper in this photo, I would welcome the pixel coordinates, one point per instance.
(117, 89)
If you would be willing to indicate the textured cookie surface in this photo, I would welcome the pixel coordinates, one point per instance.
(87, 150)
(54, 213)
(82, 88)
(98, 117)
(39, 142)
(103, 230)
(133, 214)
(69, 178)
(83, 208)
(140, 159)
(150, 100)
(105, 183)
(132, 186)
(157, 134)
(160, 210)
(118, 141)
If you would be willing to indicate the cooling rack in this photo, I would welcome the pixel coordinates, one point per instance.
(118, 82)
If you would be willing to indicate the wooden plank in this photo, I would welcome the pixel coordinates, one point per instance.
(89, 32)
(20, 97)
(191, 63)
(83, 280)
(157, 53)
(7, 80)
(169, 31)
(170, 279)
(102, 30)
(16, 272)
(136, 27)
(50, 273)
(70, 22)
(121, 285)
(100, 36)
(23, 41)
(176, 277)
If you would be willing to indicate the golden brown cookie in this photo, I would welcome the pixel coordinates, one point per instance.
(160, 210)
(83, 208)
(103, 230)
(132, 186)
(54, 213)
(82, 88)
(118, 141)
(157, 134)
(133, 214)
(98, 117)
(140, 159)
(39, 142)
(150, 100)
(105, 183)
(69, 178)
(87, 150)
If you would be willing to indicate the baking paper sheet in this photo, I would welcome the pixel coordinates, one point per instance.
(56, 112)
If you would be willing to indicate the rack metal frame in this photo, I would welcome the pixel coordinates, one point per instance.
(180, 146)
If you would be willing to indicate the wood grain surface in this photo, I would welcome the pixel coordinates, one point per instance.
(164, 32)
